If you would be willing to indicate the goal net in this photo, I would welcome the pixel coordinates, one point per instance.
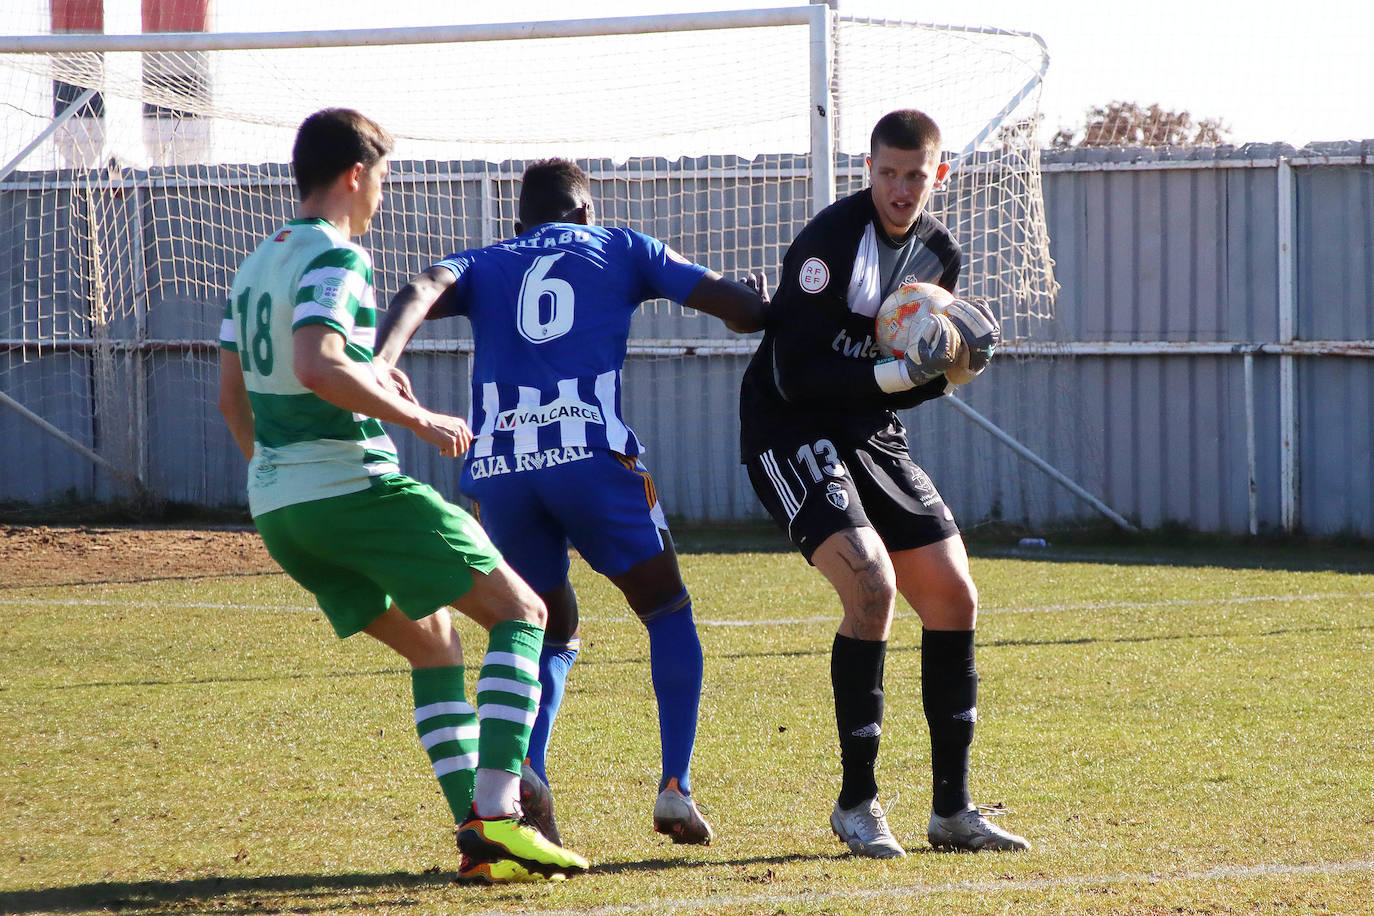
(139, 170)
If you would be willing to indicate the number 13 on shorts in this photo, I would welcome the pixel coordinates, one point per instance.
(815, 466)
(820, 457)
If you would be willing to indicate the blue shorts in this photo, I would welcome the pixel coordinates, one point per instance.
(603, 503)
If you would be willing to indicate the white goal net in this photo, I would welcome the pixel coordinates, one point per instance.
(137, 171)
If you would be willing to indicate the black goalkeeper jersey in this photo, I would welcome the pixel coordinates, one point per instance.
(813, 372)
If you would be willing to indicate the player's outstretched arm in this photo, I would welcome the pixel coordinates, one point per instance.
(233, 401)
(323, 366)
(742, 306)
(406, 313)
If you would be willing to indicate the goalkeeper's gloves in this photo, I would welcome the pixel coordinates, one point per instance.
(933, 348)
(978, 327)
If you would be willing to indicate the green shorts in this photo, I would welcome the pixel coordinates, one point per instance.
(396, 541)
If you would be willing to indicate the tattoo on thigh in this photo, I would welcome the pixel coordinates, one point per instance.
(855, 555)
(871, 587)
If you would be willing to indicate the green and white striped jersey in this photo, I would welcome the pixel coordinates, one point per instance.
(305, 448)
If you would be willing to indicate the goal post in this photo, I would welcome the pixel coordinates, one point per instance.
(142, 168)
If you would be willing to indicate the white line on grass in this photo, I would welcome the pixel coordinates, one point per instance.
(771, 622)
(1051, 608)
(1173, 602)
(1066, 555)
(715, 903)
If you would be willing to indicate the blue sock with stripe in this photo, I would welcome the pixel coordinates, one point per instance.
(555, 660)
(675, 662)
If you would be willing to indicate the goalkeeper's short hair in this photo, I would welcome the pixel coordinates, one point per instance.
(905, 128)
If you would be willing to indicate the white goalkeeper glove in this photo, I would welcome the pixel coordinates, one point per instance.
(977, 326)
(933, 348)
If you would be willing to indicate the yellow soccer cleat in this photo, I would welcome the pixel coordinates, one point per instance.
(501, 871)
(511, 838)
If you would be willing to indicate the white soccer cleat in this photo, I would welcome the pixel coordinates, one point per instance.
(677, 816)
(970, 831)
(864, 829)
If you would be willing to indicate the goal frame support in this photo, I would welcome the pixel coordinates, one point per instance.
(816, 18)
(53, 127)
(93, 456)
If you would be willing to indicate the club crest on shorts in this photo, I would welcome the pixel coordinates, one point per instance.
(838, 496)
(814, 275)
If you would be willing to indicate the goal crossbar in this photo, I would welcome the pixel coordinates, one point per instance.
(76, 42)
(816, 17)
(413, 35)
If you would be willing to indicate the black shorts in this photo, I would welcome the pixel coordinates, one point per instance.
(814, 488)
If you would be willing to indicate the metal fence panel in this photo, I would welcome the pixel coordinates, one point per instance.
(1162, 247)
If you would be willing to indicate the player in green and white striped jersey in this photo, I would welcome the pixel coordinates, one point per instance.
(307, 448)
(382, 553)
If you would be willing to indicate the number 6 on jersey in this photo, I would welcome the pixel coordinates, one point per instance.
(531, 309)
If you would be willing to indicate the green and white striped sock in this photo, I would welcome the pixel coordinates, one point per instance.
(508, 694)
(448, 729)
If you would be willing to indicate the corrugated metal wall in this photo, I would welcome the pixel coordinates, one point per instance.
(1167, 247)
(1334, 285)
(1183, 247)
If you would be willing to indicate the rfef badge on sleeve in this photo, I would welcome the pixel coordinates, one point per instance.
(814, 275)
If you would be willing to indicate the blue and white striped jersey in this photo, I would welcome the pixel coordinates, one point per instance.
(550, 313)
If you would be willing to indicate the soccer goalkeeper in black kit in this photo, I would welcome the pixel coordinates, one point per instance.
(829, 459)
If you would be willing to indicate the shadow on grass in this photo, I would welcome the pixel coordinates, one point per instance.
(749, 537)
(234, 679)
(644, 865)
(134, 579)
(296, 893)
(133, 896)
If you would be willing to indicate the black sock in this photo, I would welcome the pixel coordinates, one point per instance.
(856, 673)
(949, 692)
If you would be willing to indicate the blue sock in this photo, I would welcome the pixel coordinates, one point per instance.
(555, 659)
(676, 665)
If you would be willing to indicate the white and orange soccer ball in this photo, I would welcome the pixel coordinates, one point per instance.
(913, 310)
(901, 312)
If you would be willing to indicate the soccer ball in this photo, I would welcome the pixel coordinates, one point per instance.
(908, 312)
(902, 311)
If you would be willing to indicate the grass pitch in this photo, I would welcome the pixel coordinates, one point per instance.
(1180, 733)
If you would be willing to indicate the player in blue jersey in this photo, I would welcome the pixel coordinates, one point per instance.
(554, 460)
